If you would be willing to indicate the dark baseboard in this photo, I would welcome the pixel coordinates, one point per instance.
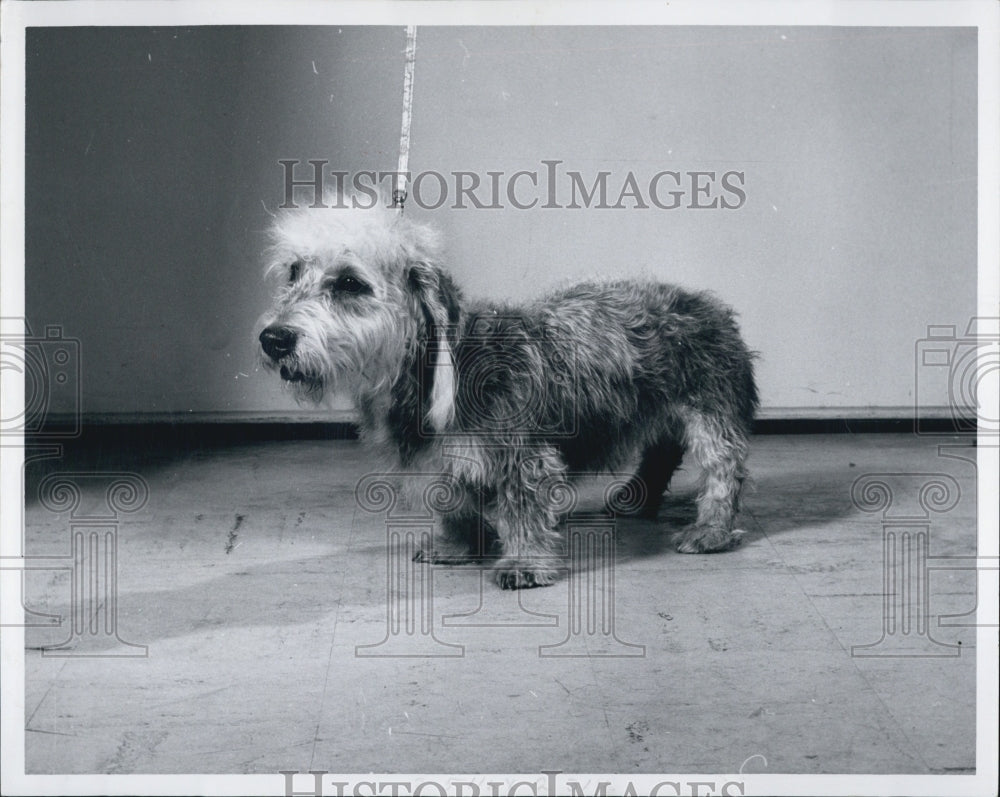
(925, 426)
(194, 435)
(198, 434)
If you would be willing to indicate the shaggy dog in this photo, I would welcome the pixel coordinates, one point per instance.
(511, 401)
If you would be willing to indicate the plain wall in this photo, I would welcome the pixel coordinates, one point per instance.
(152, 170)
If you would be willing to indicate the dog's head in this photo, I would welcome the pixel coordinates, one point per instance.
(361, 294)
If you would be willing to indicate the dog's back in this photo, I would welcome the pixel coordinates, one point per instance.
(597, 366)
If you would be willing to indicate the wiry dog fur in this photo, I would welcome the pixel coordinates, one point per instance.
(511, 401)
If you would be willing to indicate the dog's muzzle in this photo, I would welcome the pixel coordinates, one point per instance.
(278, 342)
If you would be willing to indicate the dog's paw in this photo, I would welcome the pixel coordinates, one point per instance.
(708, 539)
(518, 574)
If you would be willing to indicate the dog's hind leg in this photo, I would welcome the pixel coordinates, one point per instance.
(720, 449)
(643, 493)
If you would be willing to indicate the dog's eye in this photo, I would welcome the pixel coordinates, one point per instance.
(348, 284)
(295, 271)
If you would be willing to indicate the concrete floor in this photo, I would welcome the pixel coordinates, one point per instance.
(252, 577)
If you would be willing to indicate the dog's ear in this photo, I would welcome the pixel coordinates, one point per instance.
(438, 300)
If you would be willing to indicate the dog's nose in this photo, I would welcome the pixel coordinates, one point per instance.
(277, 341)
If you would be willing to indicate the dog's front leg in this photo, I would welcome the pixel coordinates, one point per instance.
(527, 514)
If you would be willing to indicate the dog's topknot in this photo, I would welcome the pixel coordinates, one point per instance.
(374, 234)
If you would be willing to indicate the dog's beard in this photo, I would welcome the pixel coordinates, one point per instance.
(305, 387)
(313, 382)
(295, 376)
(303, 382)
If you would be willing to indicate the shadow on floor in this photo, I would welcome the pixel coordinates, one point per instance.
(348, 584)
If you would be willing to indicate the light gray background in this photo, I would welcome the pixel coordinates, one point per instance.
(152, 165)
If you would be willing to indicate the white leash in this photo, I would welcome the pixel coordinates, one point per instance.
(399, 191)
